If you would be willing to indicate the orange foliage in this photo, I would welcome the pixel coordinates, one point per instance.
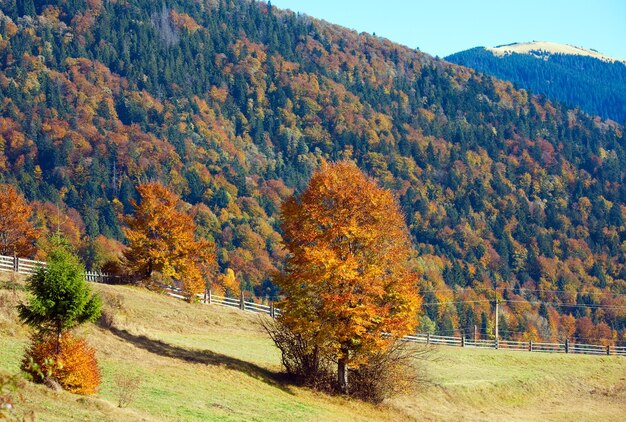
(17, 234)
(75, 367)
(226, 284)
(183, 20)
(51, 219)
(348, 278)
(161, 238)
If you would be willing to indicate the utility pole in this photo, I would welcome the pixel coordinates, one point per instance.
(495, 299)
(496, 319)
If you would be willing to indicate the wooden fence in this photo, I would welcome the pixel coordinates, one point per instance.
(526, 346)
(27, 266)
(240, 303)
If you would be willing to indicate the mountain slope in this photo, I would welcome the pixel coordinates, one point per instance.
(577, 77)
(234, 104)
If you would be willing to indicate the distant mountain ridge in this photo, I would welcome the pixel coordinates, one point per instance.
(577, 77)
(545, 49)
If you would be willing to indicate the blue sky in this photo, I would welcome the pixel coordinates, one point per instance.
(443, 27)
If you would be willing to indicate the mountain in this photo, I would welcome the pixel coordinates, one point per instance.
(233, 104)
(545, 50)
(575, 76)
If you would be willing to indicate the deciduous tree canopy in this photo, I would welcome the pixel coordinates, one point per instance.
(162, 238)
(348, 280)
(17, 234)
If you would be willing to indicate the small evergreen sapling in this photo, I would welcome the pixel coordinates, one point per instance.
(61, 298)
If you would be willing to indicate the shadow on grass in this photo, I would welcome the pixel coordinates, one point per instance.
(206, 357)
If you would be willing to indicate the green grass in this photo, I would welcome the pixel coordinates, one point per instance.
(201, 363)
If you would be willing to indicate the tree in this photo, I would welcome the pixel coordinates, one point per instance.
(162, 238)
(61, 298)
(17, 234)
(348, 284)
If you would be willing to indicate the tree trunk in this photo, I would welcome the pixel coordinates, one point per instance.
(342, 371)
(58, 337)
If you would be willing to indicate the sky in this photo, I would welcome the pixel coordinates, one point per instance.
(443, 27)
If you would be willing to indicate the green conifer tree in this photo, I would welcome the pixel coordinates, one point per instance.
(61, 298)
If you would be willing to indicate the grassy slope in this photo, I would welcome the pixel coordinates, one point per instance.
(208, 362)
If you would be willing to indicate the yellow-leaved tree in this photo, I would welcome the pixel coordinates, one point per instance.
(161, 238)
(17, 234)
(348, 285)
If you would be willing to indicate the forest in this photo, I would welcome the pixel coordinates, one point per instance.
(595, 86)
(234, 104)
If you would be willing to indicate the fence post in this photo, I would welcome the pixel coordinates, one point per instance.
(427, 338)
(242, 304)
(272, 310)
(462, 341)
(566, 345)
(16, 264)
(530, 345)
(496, 343)
(210, 296)
(608, 350)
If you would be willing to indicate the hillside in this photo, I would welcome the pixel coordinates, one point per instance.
(211, 362)
(233, 104)
(545, 49)
(577, 77)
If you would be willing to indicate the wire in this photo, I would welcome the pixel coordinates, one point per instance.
(572, 305)
(565, 291)
(452, 290)
(459, 301)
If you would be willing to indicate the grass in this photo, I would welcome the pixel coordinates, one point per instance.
(201, 363)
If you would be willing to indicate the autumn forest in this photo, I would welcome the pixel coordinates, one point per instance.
(233, 105)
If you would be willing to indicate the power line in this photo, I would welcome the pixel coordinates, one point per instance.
(452, 290)
(565, 291)
(459, 301)
(571, 305)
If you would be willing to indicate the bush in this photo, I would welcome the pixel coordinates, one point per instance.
(302, 360)
(75, 367)
(113, 306)
(396, 371)
(127, 389)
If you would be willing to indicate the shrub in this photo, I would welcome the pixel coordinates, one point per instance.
(396, 371)
(302, 360)
(74, 367)
(127, 388)
(113, 305)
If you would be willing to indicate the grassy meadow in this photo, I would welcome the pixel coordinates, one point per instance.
(200, 363)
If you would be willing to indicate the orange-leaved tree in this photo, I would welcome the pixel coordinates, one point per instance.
(17, 234)
(161, 238)
(348, 284)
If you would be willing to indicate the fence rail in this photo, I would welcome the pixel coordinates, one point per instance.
(27, 266)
